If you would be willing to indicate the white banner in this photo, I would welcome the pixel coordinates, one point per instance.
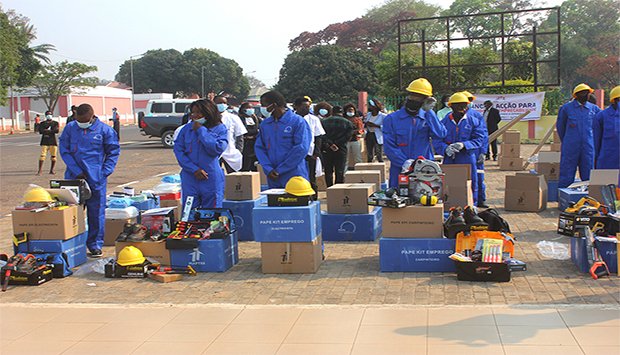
(512, 105)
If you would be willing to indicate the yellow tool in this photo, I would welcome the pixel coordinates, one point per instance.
(585, 206)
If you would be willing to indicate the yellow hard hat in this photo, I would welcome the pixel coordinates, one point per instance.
(37, 194)
(582, 87)
(615, 93)
(130, 255)
(421, 86)
(469, 95)
(308, 98)
(299, 186)
(458, 97)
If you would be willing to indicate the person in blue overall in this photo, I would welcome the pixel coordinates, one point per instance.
(607, 134)
(574, 125)
(407, 133)
(198, 148)
(90, 150)
(283, 141)
(482, 152)
(464, 138)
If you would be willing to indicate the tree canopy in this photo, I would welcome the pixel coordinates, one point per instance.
(58, 79)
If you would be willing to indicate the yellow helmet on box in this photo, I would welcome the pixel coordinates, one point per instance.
(130, 255)
(421, 86)
(299, 186)
(37, 194)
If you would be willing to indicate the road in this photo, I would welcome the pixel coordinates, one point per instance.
(141, 158)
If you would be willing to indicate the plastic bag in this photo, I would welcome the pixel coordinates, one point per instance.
(533, 159)
(171, 179)
(97, 266)
(553, 250)
(167, 188)
(121, 213)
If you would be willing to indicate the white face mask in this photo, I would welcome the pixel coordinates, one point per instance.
(49, 117)
(350, 114)
(84, 125)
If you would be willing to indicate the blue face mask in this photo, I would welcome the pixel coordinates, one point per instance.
(222, 107)
(264, 112)
(230, 110)
(372, 103)
(201, 120)
(84, 125)
(323, 112)
(249, 112)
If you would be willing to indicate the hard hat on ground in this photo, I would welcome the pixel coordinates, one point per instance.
(582, 87)
(615, 93)
(37, 194)
(469, 95)
(130, 255)
(299, 186)
(421, 86)
(458, 97)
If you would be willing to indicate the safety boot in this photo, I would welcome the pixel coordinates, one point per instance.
(473, 220)
(455, 223)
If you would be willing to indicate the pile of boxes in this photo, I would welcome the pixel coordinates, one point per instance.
(348, 216)
(510, 152)
(380, 167)
(549, 165)
(525, 192)
(556, 146)
(457, 186)
(413, 240)
(241, 196)
(290, 238)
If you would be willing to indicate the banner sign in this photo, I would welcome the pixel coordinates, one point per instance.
(512, 105)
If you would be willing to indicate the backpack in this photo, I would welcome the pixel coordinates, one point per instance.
(495, 221)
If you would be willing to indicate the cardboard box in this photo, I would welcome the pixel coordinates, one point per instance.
(211, 255)
(349, 198)
(556, 137)
(552, 191)
(114, 227)
(555, 147)
(510, 150)
(510, 164)
(416, 255)
(511, 137)
(263, 176)
(243, 213)
(155, 250)
(413, 222)
(364, 176)
(456, 174)
(600, 178)
(352, 227)
(292, 258)
(178, 203)
(549, 157)
(567, 196)
(525, 192)
(74, 248)
(373, 166)
(242, 186)
(458, 196)
(165, 278)
(50, 224)
(320, 183)
(287, 224)
(551, 171)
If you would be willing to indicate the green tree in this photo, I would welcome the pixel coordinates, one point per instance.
(10, 55)
(157, 70)
(327, 73)
(519, 51)
(58, 79)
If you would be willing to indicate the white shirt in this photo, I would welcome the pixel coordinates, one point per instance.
(235, 127)
(316, 128)
(378, 120)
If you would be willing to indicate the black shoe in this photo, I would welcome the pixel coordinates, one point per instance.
(127, 229)
(487, 158)
(96, 253)
(455, 223)
(482, 205)
(472, 219)
(494, 158)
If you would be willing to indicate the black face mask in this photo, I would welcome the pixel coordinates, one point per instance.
(457, 116)
(615, 105)
(412, 107)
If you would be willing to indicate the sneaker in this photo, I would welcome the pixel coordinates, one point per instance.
(96, 253)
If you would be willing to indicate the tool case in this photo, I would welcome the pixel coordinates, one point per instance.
(34, 278)
(481, 271)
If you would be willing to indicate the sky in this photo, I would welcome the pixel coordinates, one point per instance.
(253, 33)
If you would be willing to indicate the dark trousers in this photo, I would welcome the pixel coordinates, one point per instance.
(228, 168)
(373, 148)
(312, 173)
(493, 149)
(117, 128)
(334, 162)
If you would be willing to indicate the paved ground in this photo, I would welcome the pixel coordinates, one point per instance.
(349, 276)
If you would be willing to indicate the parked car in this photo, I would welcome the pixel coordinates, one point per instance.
(162, 117)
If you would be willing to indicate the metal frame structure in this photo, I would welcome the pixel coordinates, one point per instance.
(503, 36)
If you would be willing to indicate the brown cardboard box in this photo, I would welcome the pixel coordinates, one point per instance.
(458, 196)
(556, 147)
(600, 178)
(292, 258)
(173, 203)
(156, 250)
(548, 157)
(364, 176)
(413, 222)
(50, 224)
(165, 278)
(456, 174)
(349, 198)
(242, 186)
(373, 166)
(556, 137)
(510, 150)
(114, 227)
(549, 165)
(525, 192)
(511, 137)
(263, 176)
(514, 164)
(320, 183)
